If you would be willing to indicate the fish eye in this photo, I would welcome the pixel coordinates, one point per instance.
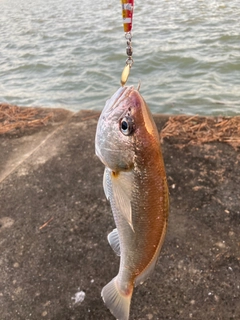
(127, 125)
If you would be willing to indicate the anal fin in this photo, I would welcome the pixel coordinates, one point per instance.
(113, 240)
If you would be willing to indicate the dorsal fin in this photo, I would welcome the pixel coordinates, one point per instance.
(150, 268)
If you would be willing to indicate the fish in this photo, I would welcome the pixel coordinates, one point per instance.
(134, 181)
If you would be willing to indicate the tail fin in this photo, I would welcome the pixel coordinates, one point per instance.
(117, 302)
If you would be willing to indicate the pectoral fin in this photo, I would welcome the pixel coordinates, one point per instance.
(113, 240)
(122, 191)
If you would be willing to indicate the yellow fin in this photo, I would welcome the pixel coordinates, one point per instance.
(122, 191)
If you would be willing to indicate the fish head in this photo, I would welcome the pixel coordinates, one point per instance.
(124, 126)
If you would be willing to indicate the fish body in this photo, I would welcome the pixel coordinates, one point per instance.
(127, 142)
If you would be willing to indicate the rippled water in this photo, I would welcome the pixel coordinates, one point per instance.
(71, 53)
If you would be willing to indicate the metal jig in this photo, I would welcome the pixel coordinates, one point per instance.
(127, 14)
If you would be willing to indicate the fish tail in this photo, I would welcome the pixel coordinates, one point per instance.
(116, 301)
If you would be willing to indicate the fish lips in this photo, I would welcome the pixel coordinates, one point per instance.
(115, 100)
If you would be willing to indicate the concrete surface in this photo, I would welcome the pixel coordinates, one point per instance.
(54, 220)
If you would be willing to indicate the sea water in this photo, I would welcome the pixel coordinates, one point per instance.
(70, 54)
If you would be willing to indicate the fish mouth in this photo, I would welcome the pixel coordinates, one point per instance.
(107, 115)
(116, 99)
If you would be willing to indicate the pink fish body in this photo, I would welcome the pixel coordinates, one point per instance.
(127, 142)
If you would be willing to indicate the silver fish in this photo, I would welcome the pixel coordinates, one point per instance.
(127, 143)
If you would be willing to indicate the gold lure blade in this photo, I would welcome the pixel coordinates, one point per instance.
(125, 74)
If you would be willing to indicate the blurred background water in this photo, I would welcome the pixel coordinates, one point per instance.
(71, 54)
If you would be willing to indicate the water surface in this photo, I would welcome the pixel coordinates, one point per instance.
(71, 53)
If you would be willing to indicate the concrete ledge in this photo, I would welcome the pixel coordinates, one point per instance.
(54, 220)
